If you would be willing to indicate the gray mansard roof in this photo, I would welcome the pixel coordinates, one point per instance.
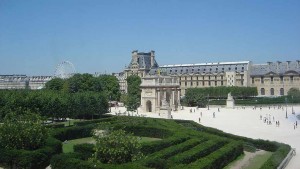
(202, 68)
(144, 61)
(277, 68)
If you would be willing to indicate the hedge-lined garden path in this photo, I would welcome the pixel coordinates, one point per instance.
(245, 121)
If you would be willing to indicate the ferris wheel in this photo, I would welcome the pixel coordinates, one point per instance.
(64, 70)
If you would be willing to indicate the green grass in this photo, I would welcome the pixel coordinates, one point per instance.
(229, 166)
(68, 146)
(258, 161)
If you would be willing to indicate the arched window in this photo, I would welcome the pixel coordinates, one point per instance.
(148, 106)
(262, 91)
(281, 91)
(272, 91)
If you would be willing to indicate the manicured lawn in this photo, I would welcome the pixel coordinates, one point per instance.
(68, 146)
(258, 160)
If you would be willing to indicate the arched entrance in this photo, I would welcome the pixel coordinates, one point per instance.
(148, 106)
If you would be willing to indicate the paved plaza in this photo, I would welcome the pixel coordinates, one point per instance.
(245, 121)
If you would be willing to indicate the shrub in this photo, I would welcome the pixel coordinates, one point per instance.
(38, 158)
(116, 147)
(86, 150)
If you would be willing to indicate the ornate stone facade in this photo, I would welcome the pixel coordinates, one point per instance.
(271, 79)
(155, 89)
(23, 81)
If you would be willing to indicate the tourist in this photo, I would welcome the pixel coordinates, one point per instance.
(199, 119)
(214, 115)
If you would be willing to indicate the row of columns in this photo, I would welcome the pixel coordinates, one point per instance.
(172, 98)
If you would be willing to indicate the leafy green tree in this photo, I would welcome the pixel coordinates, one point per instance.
(22, 132)
(110, 86)
(295, 92)
(133, 92)
(55, 84)
(116, 147)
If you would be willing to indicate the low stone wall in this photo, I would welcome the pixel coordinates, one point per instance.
(287, 159)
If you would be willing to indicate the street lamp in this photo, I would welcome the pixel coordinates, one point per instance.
(208, 102)
(286, 107)
(292, 105)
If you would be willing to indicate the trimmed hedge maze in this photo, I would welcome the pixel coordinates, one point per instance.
(184, 144)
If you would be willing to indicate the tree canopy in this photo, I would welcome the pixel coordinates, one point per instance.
(23, 131)
(133, 92)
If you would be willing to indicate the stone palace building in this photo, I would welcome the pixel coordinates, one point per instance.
(271, 79)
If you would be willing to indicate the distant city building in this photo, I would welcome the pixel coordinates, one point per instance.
(23, 81)
(141, 63)
(271, 79)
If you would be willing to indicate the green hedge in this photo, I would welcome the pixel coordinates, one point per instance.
(197, 152)
(280, 150)
(151, 147)
(70, 161)
(218, 159)
(86, 150)
(39, 158)
(74, 161)
(158, 159)
(74, 132)
(86, 122)
(148, 131)
(277, 157)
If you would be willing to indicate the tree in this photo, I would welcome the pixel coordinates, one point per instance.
(134, 92)
(22, 132)
(294, 92)
(116, 147)
(55, 84)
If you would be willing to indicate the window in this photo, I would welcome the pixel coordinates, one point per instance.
(281, 91)
(185, 83)
(208, 83)
(252, 80)
(215, 83)
(229, 68)
(291, 78)
(191, 83)
(197, 83)
(262, 91)
(222, 83)
(235, 68)
(261, 79)
(271, 79)
(272, 91)
(281, 78)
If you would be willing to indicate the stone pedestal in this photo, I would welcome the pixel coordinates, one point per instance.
(230, 101)
(165, 110)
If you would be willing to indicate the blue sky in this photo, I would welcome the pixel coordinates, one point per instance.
(99, 35)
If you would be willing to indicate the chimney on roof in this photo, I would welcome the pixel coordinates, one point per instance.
(287, 65)
(134, 56)
(278, 64)
(152, 57)
(269, 66)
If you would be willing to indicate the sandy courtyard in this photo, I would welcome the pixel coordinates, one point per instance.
(246, 122)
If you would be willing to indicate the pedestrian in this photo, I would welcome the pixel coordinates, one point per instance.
(214, 115)
(218, 109)
(201, 114)
(194, 110)
(171, 116)
(199, 119)
(296, 124)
